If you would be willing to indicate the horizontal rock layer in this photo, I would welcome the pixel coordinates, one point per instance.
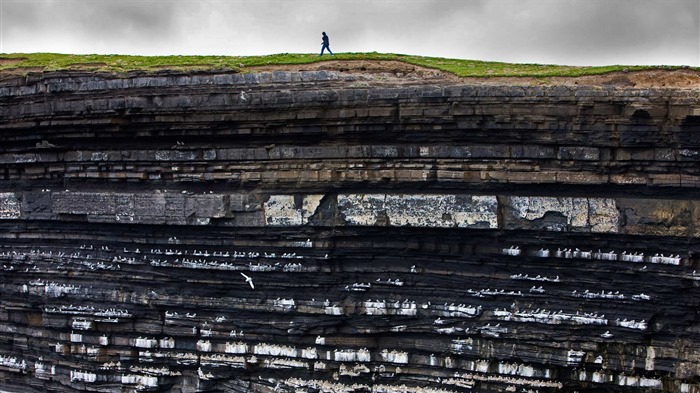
(579, 214)
(317, 231)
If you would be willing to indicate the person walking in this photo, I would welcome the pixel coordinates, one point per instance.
(325, 44)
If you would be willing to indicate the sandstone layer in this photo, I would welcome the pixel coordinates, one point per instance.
(340, 232)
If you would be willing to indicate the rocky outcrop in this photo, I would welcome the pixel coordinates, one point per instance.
(318, 231)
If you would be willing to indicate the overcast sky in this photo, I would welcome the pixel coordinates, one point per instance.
(575, 32)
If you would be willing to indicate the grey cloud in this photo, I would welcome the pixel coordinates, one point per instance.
(126, 17)
(638, 29)
(579, 32)
(88, 24)
(585, 32)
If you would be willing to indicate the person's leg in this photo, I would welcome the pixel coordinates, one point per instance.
(329, 51)
(322, 48)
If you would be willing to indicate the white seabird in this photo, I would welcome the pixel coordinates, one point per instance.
(249, 280)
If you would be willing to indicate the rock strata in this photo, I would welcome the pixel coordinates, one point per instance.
(326, 231)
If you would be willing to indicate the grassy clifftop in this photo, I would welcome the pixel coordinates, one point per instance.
(21, 63)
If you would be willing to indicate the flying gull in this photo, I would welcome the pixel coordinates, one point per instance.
(249, 280)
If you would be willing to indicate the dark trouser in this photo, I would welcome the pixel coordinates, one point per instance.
(325, 47)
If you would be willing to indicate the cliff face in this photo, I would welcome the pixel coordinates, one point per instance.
(317, 231)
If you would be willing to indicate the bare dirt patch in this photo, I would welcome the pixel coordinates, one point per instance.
(86, 66)
(685, 78)
(377, 68)
(398, 71)
(14, 60)
(180, 67)
(9, 73)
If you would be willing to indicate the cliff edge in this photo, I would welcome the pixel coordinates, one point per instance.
(349, 230)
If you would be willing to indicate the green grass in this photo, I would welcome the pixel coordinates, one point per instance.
(26, 62)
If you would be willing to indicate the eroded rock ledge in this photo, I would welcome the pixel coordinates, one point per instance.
(327, 231)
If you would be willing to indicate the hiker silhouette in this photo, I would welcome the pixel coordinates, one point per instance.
(325, 44)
